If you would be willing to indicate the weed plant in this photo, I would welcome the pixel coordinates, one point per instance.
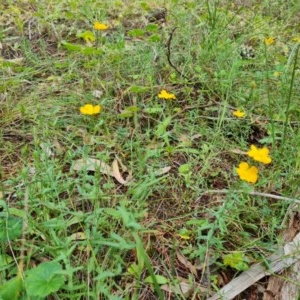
(150, 191)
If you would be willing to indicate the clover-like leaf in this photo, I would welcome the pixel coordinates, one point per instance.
(44, 279)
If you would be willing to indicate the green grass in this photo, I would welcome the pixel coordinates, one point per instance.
(77, 233)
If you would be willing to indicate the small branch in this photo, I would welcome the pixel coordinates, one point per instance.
(169, 53)
(224, 191)
(283, 258)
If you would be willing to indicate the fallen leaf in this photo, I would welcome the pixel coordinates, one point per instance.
(78, 236)
(238, 151)
(186, 263)
(97, 93)
(46, 149)
(92, 164)
(182, 288)
(162, 171)
(116, 172)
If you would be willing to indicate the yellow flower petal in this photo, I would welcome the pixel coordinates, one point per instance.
(238, 113)
(260, 154)
(100, 26)
(247, 173)
(165, 95)
(269, 41)
(89, 109)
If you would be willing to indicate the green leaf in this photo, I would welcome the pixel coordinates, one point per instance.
(160, 279)
(185, 168)
(136, 32)
(126, 114)
(5, 260)
(162, 127)
(88, 36)
(91, 51)
(44, 279)
(152, 27)
(154, 38)
(11, 289)
(236, 260)
(153, 110)
(10, 228)
(81, 49)
(135, 270)
(71, 47)
(132, 108)
(138, 89)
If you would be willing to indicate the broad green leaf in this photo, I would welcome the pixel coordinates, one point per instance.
(154, 38)
(126, 114)
(71, 47)
(88, 36)
(152, 27)
(44, 279)
(135, 270)
(5, 260)
(132, 108)
(10, 228)
(236, 260)
(81, 49)
(136, 32)
(162, 127)
(185, 168)
(153, 110)
(138, 89)
(11, 289)
(160, 279)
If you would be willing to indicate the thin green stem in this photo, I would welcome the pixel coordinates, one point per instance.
(270, 110)
(289, 99)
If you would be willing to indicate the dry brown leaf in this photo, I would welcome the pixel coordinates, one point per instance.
(46, 149)
(162, 171)
(97, 93)
(186, 263)
(183, 288)
(238, 151)
(116, 172)
(92, 164)
(77, 236)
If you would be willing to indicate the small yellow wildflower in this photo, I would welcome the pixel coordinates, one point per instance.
(296, 39)
(90, 109)
(165, 95)
(238, 113)
(269, 41)
(100, 26)
(247, 173)
(261, 155)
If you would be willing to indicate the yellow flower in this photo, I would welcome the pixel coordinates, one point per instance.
(90, 109)
(165, 95)
(269, 41)
(247, 173)
(261, 155)
(296, 39)
(238, 113)
(100, 26)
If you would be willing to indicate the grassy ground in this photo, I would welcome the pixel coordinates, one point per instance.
(144, 197)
